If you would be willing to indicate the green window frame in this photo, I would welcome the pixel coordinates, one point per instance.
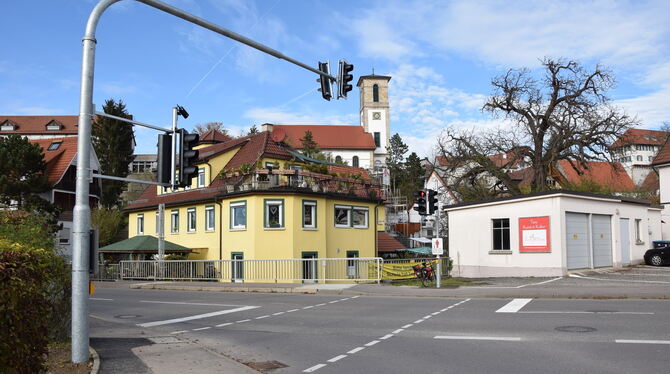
(277, 221)
(238, 210)
(311, 206)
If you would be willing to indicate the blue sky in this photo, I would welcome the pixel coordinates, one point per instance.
(441, 56)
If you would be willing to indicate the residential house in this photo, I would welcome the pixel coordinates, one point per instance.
(635, 150)
(256, 197)
(39, 127)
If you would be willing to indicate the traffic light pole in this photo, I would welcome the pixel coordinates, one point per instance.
(173, 169)
(82, 210)
(438, 277)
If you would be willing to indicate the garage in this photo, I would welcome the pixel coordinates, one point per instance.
(577, 240)
(601, 227)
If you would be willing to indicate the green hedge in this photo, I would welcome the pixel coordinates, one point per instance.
(34, 295)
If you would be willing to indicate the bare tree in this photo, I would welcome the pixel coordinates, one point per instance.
(564, 116)
(203, 128)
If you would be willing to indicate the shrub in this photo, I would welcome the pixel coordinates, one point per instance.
(109, 223)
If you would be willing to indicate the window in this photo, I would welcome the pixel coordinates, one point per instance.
(375, 93)
(201, 177)
(638, 233)
(190, 220)
(174, 222)
(338, 159)
(209, 218)
(360, 217)
(238, 215)
(53, 126)
(54, 146)
(140, 224)
(377, 140)
(354, 161)
(274, 214)
(342, 216)
(309, 214)
(501, 234)
(639, 158)
(7, 126)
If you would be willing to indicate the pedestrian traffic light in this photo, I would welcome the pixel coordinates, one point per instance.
(165, 155)
(187, 157)
(343, 79)
(432, 201)
(326, 85)
(420, 202)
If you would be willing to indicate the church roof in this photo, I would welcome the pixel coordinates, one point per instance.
(372, 76)
(329, 136)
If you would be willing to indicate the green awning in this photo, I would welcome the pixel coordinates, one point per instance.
(141, 243)
(419, 250)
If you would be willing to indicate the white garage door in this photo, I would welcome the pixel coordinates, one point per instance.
(602, 240)
(577, 240)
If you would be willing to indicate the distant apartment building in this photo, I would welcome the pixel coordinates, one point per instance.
(636, 149)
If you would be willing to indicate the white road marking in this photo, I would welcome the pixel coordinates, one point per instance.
(100, 299)
(337, 358)
(628, 341)
(355, 297)
(314, 368)
(398, 331)
(199, 316)
(181, 303)
(408, 325)
(386, 336)
(309, 307)
(243, 320)
(224, 324)
(322, 304)
(292, 310)
(444, 310)
(333, 302)
(370, 344)
(434, 314)
(357, 349)
(418, 321)
(521, 286)
(179, 332)
(585, 312)
(278, 313)
(261, 317)
(618, 280)
(202, 328)
(427, 317)
(514, 306)
(499, 338)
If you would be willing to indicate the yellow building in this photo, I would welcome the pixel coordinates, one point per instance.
(257, 198)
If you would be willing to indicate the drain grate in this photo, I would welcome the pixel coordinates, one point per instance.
(575, 329)
(266, 366)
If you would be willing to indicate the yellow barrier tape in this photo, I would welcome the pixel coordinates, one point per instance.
(399, 271)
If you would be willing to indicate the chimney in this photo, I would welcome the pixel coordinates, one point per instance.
(267, 127)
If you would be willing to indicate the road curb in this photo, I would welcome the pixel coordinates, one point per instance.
(96, 360)
(222, 289)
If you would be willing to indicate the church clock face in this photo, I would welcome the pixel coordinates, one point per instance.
(376, 115)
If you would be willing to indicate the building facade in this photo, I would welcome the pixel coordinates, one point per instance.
(636, 150)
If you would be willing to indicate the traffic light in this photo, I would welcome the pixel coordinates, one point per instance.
(326, 85)
(187, 157)
(164, 174)
(432, 202)
(420, 202)
(343, 79)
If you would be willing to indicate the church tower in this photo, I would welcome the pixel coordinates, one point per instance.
(374, 113)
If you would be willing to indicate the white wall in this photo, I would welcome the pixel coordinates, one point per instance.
(364, 157)
(664, 181)
(471, 238)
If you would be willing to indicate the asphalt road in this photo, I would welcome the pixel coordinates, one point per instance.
(368, 334)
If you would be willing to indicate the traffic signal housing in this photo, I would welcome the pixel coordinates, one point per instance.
(187, 157)
(420, 202)
(326, 85)
(165, 155)
(431, 206)
(344, 77)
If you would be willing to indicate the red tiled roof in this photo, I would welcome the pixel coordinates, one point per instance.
(663, 156)
(60, 159)
(258, 146)
(38, 124)
(523, 177)
(651, 182)
(329, 137)
(213, 136)
(612, 175)
(387, 243)
(641, 136)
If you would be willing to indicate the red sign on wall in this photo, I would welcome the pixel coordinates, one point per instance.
(534, 234)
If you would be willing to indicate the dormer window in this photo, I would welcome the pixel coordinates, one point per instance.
(54, 146)
(7, 126)
(54, 126)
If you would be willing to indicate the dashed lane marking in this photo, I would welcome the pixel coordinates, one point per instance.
(398, 331)
(337, 358)
(203, 328)
(179, 332)
(386, 336)
(261, 317)
(199, 316)
(498, 338)
(514, 306)
(408, 325)
(370, 344)
(314, 368)
(224, 324)
(356, 350)
(629, 341)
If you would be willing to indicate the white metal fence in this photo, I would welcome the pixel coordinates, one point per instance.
(285, 270)
(109, 272)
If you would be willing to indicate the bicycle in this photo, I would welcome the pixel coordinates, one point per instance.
(424, 272)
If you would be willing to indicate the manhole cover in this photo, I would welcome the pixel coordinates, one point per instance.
(126, 316)
(575, 329)
(164, 340)
(266, 366)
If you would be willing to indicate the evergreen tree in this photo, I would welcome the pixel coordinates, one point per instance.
(253, 130)
(113, 143)
(309, 147)
(413, 174)
(394, 161)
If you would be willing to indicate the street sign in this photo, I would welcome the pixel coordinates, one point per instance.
(437, 246)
